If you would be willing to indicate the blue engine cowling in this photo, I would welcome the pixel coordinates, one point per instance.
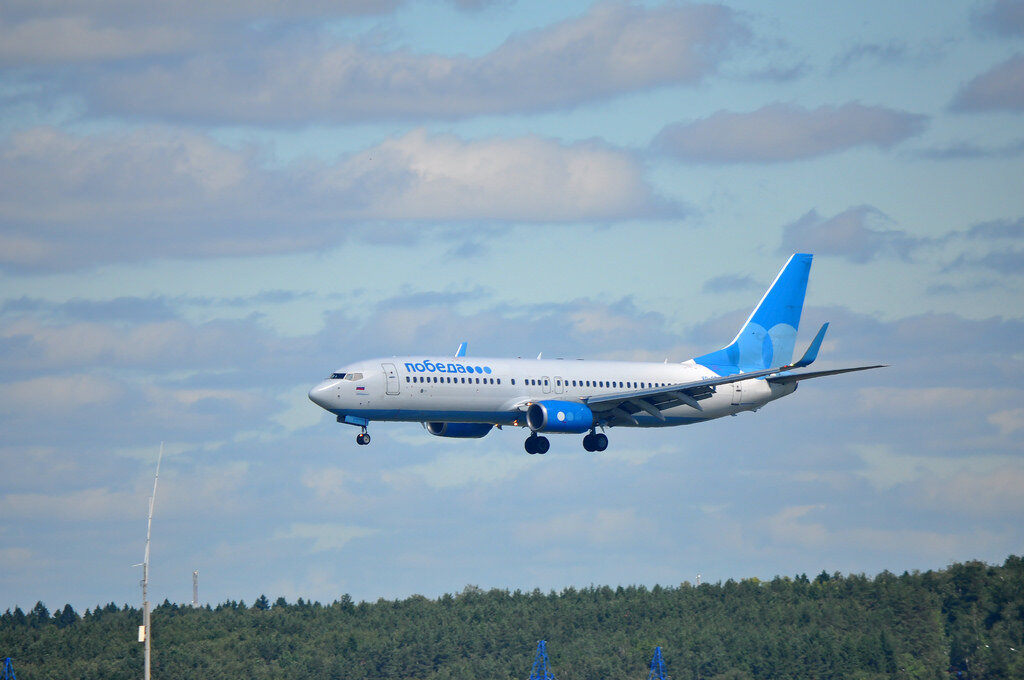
(559, 416)
(459, 430)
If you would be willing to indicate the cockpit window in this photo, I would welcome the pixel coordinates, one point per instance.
(353, 376)
(337, 376)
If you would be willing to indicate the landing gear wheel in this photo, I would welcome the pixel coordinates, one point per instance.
(535, 444)
(362, 439)
(595, 441)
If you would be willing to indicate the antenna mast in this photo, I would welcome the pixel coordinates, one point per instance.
(540, 670)
(144, 630)
(657, 666)
(195, 588)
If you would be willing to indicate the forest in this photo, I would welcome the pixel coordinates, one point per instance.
(965, 621)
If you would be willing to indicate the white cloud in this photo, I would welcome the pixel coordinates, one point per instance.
(467, 468)
(82, 505)
(973, 491)
(783, 132)
(598, 527)
(41, 395)
(297, 413)
(1000, 17)
(71, 38)
(613, 49)
(331, 484)
(325, 537)
(73, 201)
(792, 526)
(999, 88)
(442, 177)
(1008, 421)
(46, 32)
(973, 486)
(15, 558)
(859, 234)
(925, 402)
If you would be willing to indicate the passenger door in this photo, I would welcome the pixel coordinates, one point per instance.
(394, 386)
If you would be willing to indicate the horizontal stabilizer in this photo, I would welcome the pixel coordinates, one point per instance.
(796, 377)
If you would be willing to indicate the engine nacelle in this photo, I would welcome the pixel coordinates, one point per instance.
(559, 416)
(459, 430)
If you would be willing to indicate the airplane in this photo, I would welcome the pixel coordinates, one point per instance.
(464, 398)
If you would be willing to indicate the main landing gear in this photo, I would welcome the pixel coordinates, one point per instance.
(363, 438)
(595, 441)
(535, 444)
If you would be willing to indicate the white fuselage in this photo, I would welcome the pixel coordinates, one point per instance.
(489, 390)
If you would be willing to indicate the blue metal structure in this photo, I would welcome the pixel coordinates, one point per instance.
(540, 670)
(8, 669)
(657, 666)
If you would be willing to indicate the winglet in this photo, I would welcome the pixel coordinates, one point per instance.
(461, 351)
(812, 351)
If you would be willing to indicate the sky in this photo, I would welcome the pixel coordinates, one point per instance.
(207, 207)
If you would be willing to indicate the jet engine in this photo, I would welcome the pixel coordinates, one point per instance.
(459, 430)
(559, 416)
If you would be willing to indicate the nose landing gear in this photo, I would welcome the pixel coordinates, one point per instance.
(363, 438)
(595, 441)
(535, 444)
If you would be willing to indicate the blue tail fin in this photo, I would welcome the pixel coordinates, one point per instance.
(769, 335)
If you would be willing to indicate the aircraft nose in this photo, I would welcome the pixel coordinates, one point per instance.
(321, 394)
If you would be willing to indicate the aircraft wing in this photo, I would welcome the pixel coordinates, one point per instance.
(654, 400)
(657, 399)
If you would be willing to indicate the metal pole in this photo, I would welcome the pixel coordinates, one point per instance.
(145, 633)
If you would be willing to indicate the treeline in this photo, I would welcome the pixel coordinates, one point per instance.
(966, 621)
